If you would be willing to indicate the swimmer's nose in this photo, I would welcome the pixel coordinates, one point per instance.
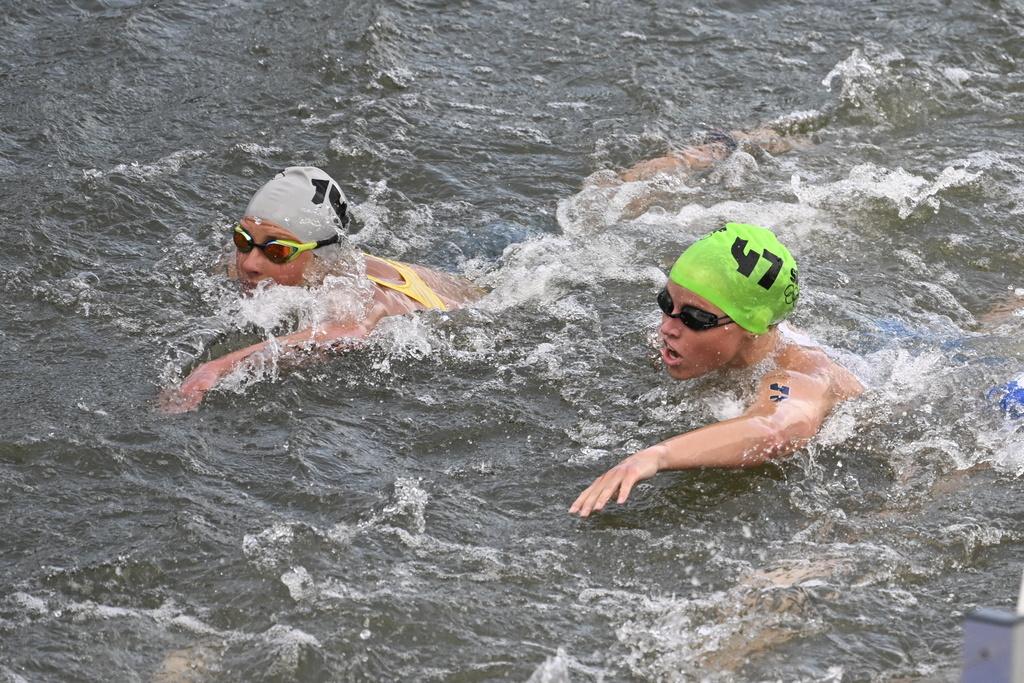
(251, 264)
(670, 327)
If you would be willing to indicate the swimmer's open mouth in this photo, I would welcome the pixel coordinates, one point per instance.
(669, 355)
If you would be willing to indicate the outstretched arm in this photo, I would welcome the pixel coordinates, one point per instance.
(789, 410)
(207, 375)
(717, 146)
(689, 158)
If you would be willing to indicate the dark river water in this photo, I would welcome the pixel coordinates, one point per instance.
(398, 512)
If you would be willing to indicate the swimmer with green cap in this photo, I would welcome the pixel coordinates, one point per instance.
(723, 308)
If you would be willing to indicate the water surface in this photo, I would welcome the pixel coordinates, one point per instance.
(398, 512)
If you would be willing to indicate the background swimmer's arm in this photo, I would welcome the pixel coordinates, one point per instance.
(652, 167)
(703, 156)
(690, 158)
(788, 411)
(1003, 310)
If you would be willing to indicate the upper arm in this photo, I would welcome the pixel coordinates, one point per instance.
(792, 406)
(651, 167)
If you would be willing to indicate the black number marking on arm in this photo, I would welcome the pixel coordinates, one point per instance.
(783, 392)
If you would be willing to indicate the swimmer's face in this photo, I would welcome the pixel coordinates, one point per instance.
(254, 266)
(690, 353)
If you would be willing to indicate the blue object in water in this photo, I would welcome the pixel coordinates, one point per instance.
(993, 647)
(1010, 397)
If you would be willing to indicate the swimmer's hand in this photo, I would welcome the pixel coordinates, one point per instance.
(191, 392)
(637, 467)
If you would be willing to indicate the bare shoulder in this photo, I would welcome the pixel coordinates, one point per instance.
(812, 363)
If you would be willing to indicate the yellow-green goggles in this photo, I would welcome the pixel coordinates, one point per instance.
(276, 251)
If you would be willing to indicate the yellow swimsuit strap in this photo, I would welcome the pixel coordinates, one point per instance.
(413, 286)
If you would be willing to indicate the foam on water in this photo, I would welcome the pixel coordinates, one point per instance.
(719, 635)
(269, 548)
(289, 647)
(168, 165)
(272, 548)
(11, 676)
(544, 270)
(858, 78)
(1004, 171)
(1003, 447)
(554, 669)
(407, 506)
(867, 184)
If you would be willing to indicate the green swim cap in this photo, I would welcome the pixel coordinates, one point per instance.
(744, 270)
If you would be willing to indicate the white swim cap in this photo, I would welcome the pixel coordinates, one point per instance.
(304, 200)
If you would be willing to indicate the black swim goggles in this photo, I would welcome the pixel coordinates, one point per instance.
(276, 251)
(696, 319)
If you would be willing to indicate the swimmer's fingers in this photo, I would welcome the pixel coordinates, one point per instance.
(582, 499)
(191, 392)
(601, 491)
(577, 504)
(631, 478)
(596, 495)
(621, 478)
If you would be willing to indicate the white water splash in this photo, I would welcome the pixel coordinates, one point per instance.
(868, 183)
(409, 503)
(860, 80)
(554, 669)
(169, 164)
(271, 546)
(1005, 446)
(299, 584)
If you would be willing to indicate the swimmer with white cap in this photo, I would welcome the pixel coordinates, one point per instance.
(722, 308)
(289, 222)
